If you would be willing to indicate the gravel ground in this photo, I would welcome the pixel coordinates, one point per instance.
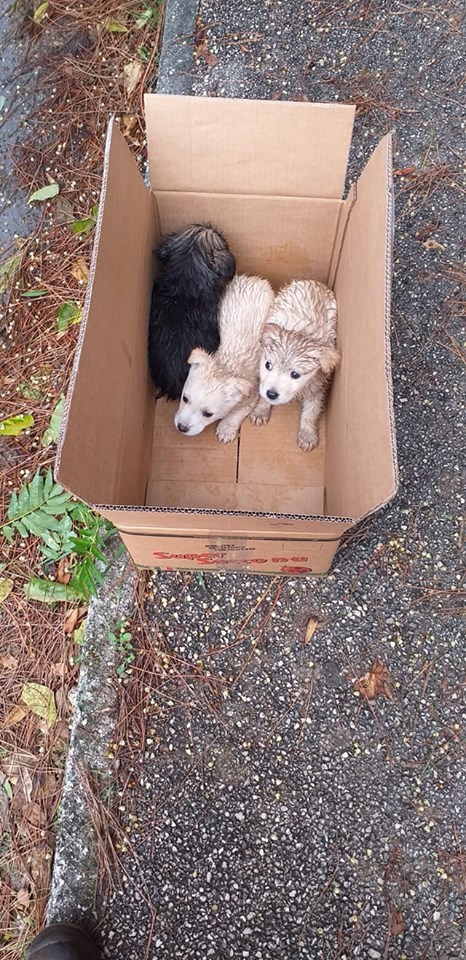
(279, 813)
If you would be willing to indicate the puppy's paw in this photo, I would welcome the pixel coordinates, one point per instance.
(259, 417)
(307, 439)
(226, 432)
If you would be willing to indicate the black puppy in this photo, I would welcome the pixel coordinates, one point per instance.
(196, 267)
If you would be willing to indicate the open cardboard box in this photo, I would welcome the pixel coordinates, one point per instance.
(270, 175)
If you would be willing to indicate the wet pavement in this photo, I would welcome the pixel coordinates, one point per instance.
(18, 91)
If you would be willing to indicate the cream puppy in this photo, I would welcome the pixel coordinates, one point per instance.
(298, 354)
(224, 385)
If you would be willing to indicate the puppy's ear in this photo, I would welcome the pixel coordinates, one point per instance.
(238, 389)
(197, 357)
(270, 334)
(329, 358)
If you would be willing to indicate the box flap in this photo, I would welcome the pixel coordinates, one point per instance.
(262, 147)
(106, 431)
(362, 469)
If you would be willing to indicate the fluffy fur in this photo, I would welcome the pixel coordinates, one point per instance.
(298, 354)
(225, 386)
(196, 266)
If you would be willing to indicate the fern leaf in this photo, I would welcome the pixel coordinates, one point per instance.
(13, 506)
(36, 491)
(48, 484)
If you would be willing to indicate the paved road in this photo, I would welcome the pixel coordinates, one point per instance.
(276, 815)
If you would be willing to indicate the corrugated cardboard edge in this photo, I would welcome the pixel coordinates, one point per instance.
(390, 195)
(87, 299)
(342, 227)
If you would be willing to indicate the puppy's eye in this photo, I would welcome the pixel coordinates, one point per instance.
(295, 375)
(184, 398)
(268, 365)
(207, 414)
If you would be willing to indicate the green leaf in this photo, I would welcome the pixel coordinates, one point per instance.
(51, 434)
(41, 701)
(30, 392)
(78, 634)
(114, 27)
(68, 314)
(36, 491)
(8, 270)
(83, 226)
(6, 586)
(13, 426)
(144, 54)
(48, 484)
(34, 294)
(45, 193)
(47, 591)
(8, 533)
(142, 19)
(8, 790)
(40, 12)
(2, 101)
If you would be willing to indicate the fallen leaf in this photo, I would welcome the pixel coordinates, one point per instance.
(202, 53)
(68, 314)
(427, 230)
(15, 715)
(113, 26)
(433, 245)
(404, 171)
(132, 74)
(23, 900)
(45, 193)
(58, 670)
(19, 767)
(311, 628)
(40, 11)
(63, 575)
(8, 663)
(78, 635)
(50, 435)
(80, 269)
(34, 294)
(128, 123)
(64, 210)
(13, 426)
(6, 586)
(397, 924)
(71, 621)
(48, 591)
(6, 786)
(376, 683)
(8, 270)
(32, 812)
(40, 865)
(41, 701)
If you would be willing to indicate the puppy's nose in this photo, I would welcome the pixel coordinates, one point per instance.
(182, 427)
(272, 394)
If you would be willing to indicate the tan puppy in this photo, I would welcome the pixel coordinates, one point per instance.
(225, 385)
(298, 355)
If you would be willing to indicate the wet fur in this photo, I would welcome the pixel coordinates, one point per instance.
(299, 336)
(196, 266)
(226, 384)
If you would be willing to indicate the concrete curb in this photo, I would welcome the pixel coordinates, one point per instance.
(73, 889)
(74, 878)
(176, 59)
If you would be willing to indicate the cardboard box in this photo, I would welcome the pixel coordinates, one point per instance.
(270, 175)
